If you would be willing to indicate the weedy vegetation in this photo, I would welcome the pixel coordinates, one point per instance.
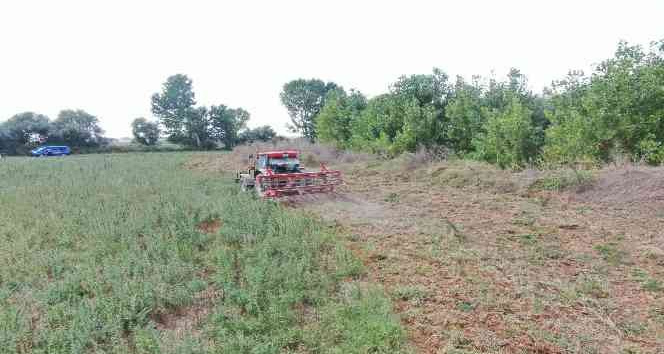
(133, 253)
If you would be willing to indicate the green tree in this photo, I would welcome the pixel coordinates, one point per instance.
(431, 93)
(418, 127)
(304, 99)
(378, 124)
(334, 122)
(225, 123)
(174, 107)
(466, 116)
(625, 95)
(619, 108)
(145, 132)
(573, 136)
(508, 140)
(76, 128)
(199, 127)
(410, 115)
(263, 133)
(24, 126)
(22, 131)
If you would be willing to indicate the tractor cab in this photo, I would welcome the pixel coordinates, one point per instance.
(278, 162)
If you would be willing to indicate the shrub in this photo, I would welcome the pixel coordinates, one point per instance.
(508, 138)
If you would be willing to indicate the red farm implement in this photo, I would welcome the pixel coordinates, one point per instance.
(276, 174)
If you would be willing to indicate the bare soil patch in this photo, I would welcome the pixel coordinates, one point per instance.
(186, 321)
(210, 226)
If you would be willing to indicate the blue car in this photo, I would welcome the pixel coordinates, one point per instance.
(51, 151)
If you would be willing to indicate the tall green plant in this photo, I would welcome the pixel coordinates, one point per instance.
(508, 140)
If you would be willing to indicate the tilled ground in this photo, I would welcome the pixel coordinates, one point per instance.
(475, 262)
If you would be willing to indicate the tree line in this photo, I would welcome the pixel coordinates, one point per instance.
(198, 127)
(178, 120)
(618, 109)
(26, 130)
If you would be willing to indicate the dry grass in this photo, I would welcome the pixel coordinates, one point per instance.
(627, 184)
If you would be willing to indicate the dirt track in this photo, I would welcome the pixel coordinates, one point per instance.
(475, 265)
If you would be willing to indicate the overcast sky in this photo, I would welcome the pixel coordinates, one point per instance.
(109, 57)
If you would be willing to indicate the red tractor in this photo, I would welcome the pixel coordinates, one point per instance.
(274, 174)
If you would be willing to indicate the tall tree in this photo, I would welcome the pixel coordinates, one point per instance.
(431, 93)
(76, 128)
(225, 123)
(174, 107)
(466, 116)
(335, 121)
(508, 140)
(199, 127)
(144, 131)
(304, 99)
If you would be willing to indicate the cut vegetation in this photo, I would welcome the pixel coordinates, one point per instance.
(482, 260)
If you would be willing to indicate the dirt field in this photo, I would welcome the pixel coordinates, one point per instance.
(482, 260)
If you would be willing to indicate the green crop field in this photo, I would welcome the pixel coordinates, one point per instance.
(132, 253)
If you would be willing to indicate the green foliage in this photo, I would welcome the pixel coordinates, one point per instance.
(24, 126)
(27, 130)
(99, 256)
(361, 323)
(651, 150)
(508, 140)
(145, 132)
(412, 114)
(377, 125)
(426, 110)
(579, 120)
(225, 123)
(466, 116)
(198, 127)
(173, 107)
(76, 128)
(22, 132)
(335, 120)
(264, 133)
(304, 99)
(619, 108)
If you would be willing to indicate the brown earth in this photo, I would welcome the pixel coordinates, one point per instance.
(479, 260)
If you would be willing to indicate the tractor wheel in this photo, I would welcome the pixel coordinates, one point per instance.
(259, 192)
(244, 186)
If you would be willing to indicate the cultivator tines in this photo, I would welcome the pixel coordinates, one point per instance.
(271, 185)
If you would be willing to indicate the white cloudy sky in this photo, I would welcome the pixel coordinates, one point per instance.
(108, 57)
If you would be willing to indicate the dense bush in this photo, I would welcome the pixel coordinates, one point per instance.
(618, 109)
(509, 139)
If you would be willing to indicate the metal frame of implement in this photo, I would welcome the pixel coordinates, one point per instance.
(275, 185)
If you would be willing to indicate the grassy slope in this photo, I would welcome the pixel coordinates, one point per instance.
(132, 253)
